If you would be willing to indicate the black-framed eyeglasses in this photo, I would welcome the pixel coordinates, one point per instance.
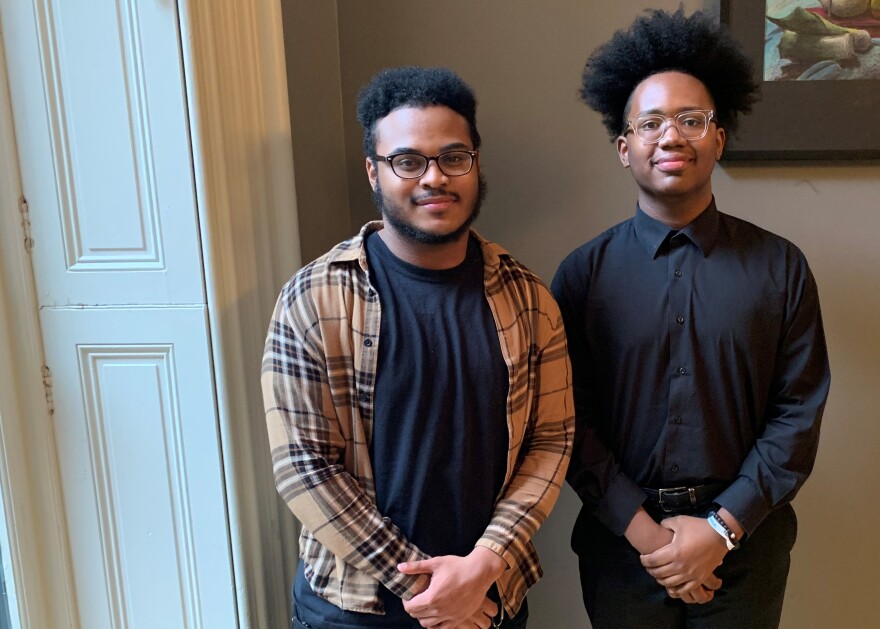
(413, 165)
(691, 125)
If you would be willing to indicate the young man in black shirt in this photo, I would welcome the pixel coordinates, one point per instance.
(698, 354)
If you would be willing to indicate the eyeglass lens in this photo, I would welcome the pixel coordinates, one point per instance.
(691, 125)
(412, 165)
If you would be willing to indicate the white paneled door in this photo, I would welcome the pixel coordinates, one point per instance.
(99, 108)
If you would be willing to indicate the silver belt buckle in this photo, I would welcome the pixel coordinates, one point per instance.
(691, 493)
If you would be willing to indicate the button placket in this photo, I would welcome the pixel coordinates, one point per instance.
(680, 359)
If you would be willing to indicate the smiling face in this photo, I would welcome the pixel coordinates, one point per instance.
(434, 209)
(674, 174)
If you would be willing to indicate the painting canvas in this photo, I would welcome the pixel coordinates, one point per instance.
(818, 63)
(822, 40)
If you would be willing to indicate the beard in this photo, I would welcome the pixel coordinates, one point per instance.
(393, 215)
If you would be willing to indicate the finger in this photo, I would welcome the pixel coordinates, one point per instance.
(481, 621)
(701, 596)
(425, 566)
(425, 616)
(419, 609)
(712, 582)
(414, 606)
(686, 597)
(690, 599)
(664, 572)
(690, 596)
(693, 587)
(658, 558)
(675, 581)
(488, 607)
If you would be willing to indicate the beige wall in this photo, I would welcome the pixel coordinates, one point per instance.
(555, 182)
(312, 55)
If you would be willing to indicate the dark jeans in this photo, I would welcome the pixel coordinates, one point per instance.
(303, 619)
(619, 593)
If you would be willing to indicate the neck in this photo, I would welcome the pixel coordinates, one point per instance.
(675, 212)
(434, 257)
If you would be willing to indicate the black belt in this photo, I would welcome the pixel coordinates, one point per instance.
(684, 498)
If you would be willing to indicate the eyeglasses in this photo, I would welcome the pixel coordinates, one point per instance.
(414, 165)
(691, 125)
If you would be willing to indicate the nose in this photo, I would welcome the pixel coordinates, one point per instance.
(674, 139)
(433, 177)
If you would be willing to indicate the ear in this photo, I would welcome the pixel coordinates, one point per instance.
(720, 141)
(623, 150)
(372, 172)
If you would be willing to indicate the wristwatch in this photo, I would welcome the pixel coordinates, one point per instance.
(720, 526)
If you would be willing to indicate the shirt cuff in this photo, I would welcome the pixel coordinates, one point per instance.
(406, 586)
(498, 549)
(745, 503)
(618, 506)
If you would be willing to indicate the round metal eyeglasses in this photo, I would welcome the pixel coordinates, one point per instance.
(414, 165)
(691, 125)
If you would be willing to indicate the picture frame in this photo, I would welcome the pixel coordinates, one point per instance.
(799, 119)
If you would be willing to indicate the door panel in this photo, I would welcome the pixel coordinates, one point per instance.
(140, 465)
(99, 95)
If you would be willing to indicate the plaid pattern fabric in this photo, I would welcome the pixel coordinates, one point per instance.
(318, 380)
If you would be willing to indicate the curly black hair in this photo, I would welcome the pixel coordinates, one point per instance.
(660, 42)
(412, 86)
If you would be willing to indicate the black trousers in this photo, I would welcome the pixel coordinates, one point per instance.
(619, 593)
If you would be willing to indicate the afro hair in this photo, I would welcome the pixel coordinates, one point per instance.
(659, 42)
(393, 88)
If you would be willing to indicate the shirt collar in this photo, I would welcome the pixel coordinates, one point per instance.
(355, 249)
(702, 231)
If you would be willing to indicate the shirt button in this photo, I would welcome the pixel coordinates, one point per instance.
(368, 342)
(674, 468)
(677, 419)
(682, 370)
(363, 397)
(680, 319)
(677, 273)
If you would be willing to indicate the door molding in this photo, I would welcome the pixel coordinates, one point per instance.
(233, 55)
(42, 579)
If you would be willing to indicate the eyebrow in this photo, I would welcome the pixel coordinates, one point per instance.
(446, 147)
(676, 112)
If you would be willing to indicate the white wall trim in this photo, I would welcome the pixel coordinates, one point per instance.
(39, 556)
(233, 54)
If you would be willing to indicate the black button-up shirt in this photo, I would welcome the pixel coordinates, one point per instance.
(698, 356)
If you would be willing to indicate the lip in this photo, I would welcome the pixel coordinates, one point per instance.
(439, 202)
(672, 163)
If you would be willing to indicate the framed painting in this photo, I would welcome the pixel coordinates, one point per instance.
(818, 63)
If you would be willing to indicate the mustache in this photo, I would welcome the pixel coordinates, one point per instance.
(434, 193)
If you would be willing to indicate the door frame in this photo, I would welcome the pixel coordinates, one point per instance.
(38, 547)
(234, 70)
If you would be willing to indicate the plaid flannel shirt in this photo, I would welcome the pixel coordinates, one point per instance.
(318, 379)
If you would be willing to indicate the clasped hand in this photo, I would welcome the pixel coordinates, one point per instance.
(456, 594)
(685, 566)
